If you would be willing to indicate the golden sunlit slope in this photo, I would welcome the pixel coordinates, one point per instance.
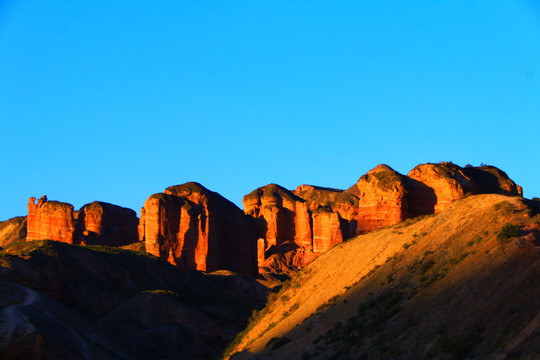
(439, 287)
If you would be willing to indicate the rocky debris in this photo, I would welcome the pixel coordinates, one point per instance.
(196, 228)
(97, 223)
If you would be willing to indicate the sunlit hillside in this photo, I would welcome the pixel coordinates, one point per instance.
(460, 284)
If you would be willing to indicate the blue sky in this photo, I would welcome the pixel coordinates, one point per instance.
(115, 101)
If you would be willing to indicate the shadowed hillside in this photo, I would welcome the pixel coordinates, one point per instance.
(87, 302)
(460, 284)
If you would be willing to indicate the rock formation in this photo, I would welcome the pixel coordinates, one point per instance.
(435, 186)
(447, 181)
(280, 215)
(491, 180)
(382, 198)
(341, 202)
(51, 220)
(313, 219)
(101, 223)
(97, 223)
(194, 227)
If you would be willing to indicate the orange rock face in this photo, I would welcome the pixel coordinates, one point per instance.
(50, 220)
(448, 181)
(102, 223)
(341, 202)
(382, 199)
(280, 215)
(97, 223)
(326, 230)
(199, 229)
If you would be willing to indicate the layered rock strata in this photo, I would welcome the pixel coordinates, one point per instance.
(97, 223)
(102, 223)
(193, 227)
(52, 220)
(382, 199)
(313, 219)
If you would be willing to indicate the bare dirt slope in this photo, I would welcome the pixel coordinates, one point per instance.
(438, 287)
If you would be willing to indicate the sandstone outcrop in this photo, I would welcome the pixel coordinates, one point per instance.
(326, 230)
(447, 181)
(435, 186)
(281, 218)
(97, 223)
(280, 215)
(101, 223)
(492, 180)
(341, 202)
(50, 220)
(196, 228)
(294, 227)
(382, 198)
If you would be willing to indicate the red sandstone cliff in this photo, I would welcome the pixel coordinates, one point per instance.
(294, 227)
(445, 181)
(194, 227)
(101, 223)
(281, 216)
(97, 223)
(435, 186)
(51, 220)
(382, 198)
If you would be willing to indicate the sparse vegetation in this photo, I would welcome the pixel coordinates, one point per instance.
(508, 231)
(504, 207)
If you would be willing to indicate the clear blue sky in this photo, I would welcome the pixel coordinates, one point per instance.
(116, 100)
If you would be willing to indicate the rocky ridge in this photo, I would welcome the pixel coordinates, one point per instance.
(279, 230)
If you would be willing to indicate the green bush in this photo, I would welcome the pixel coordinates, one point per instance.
(508, 231)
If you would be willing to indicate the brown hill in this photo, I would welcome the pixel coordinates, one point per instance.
(459, 284)
(61, 301)
(12, 230)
